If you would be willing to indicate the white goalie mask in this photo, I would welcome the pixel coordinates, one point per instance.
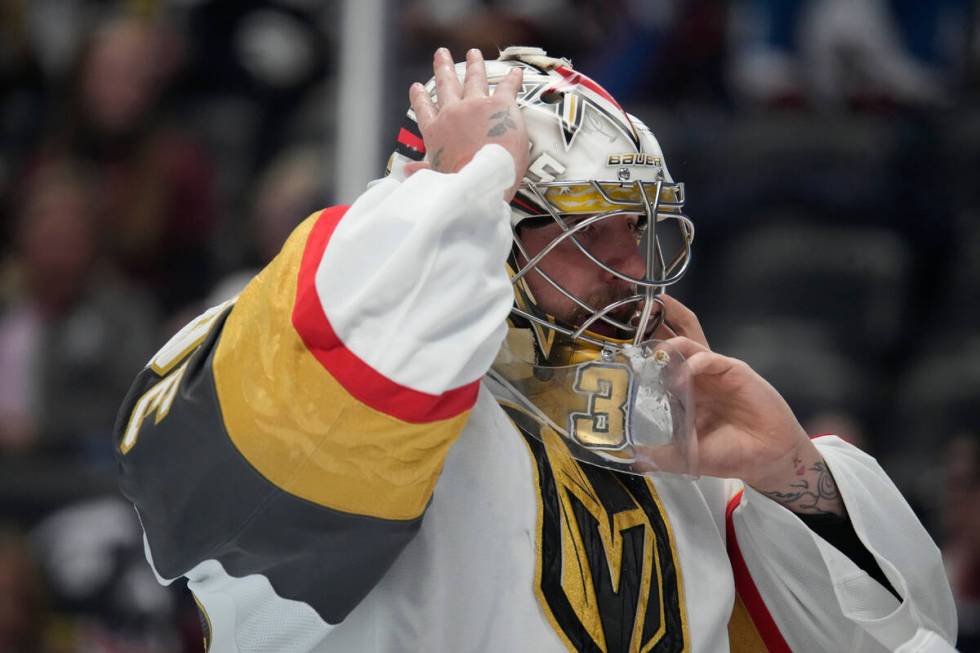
(588, 159)
(610, 398)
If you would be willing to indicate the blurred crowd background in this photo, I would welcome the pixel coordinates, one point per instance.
(154, 155)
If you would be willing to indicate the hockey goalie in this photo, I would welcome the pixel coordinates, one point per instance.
(465, 414)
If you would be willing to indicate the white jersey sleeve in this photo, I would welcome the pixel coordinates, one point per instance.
(414, 279)
(811, 597)
(282, 450)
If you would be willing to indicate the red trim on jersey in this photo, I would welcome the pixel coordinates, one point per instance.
(746, 588)
(820, 435)
(408, 139)
(362, 381)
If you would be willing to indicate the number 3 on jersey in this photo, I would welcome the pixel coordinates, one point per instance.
(603, 424)
(158, 399)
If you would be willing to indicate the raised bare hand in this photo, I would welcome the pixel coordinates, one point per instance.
(466, 116)
(746, 430)
(681, 321)
(744, 426)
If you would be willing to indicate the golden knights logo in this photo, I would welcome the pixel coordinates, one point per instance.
(607, 575)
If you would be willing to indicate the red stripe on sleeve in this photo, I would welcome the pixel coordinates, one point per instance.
(409, 139)
(746, 588)
(362, 381)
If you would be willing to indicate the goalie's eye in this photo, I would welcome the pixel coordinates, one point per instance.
(587, 230)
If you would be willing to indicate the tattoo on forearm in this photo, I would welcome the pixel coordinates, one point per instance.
(504, 123)
(822, 496)
(436, 161)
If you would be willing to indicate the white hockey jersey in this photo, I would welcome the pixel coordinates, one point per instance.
(320, 461)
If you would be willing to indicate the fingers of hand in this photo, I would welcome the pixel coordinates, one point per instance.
(425, 110)
(507, 88)
(683, 320)
(710, 364)
(665, 458)
(687, 346)
(476, 75)
(448, 88)
(665, 331)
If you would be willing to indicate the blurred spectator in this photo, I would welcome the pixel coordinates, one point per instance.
(289, 190)
(893, 51)
(490, 26)
(105, 593)
(961, 526)
(153, 183)
(638, 50)
(70, 333)
(23, 600)
(841, 424)
(668, 52)
(21, 87)
(250, 66)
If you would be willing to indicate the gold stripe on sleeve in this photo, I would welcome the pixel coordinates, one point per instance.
(743, 636)
(300, 428)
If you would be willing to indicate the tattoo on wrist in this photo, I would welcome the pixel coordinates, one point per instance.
(436, 161)
(504, 123)
(802, 496)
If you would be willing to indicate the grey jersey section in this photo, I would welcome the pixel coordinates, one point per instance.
(199, 499)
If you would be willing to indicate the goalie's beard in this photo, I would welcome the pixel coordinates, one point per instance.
(570, 314)
(599, 300)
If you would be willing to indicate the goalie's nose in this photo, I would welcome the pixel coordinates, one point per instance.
(621, 253)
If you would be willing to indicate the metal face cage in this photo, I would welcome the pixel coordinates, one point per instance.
(658, 203)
